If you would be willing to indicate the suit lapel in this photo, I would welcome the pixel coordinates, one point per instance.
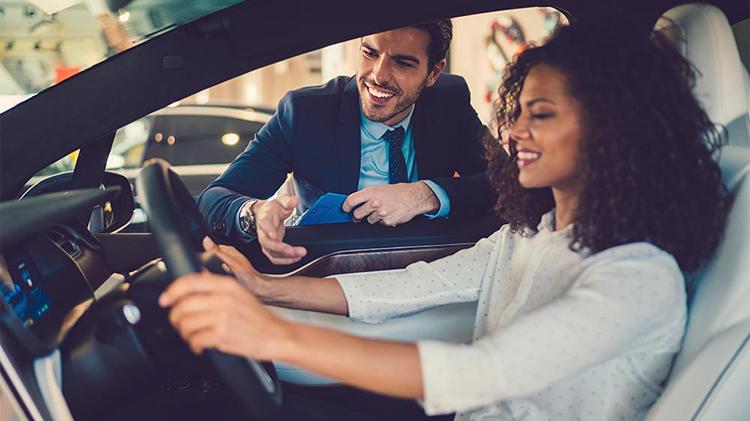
(348, 138)
(421, 137)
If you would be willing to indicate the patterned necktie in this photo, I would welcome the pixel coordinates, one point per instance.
(396, 162)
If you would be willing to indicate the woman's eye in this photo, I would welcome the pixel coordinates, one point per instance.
(541, 116)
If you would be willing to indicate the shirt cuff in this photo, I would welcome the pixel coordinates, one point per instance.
(455, 377)
(445, 202)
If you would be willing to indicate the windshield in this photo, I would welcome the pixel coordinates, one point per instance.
(43, 42)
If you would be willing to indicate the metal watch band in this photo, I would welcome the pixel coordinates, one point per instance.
(247, 217)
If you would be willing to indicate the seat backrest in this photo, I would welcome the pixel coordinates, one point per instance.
(711, 374)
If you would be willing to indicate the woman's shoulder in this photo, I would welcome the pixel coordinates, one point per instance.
(640, 262)
(638, 251)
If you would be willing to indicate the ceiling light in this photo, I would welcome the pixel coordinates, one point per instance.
(230, 139)
(123, 16)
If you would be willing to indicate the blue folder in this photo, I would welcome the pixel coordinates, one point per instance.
(326, 210)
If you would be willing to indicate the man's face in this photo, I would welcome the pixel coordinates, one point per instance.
(392, 71)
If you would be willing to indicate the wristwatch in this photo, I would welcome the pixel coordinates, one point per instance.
(247, 217)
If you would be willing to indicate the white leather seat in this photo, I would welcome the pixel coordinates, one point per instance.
(711, 375)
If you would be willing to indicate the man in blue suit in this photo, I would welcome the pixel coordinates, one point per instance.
(392, 138)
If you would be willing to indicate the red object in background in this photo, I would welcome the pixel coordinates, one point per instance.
(62, 73)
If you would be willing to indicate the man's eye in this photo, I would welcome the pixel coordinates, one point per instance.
(405, 63)
(368, 53)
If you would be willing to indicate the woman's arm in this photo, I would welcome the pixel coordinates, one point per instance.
(214, 311)
(374, 296)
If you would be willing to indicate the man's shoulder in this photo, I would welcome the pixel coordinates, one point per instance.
(333, 88)
(448, 81)
(448, 85)
(449, 91)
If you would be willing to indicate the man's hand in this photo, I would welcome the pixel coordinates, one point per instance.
(269, 220)
(392, 204)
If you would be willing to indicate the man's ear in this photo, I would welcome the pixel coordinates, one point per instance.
(432, 76)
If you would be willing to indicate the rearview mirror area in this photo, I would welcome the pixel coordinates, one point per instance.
(111, 216)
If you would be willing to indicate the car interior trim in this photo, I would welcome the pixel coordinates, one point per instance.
(19, 386)
(48, 372)
(7, 395)
(109, 285)
(358, 253)
(246, 115)
(735, 359)
(183, 170)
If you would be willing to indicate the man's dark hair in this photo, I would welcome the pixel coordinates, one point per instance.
(441, 33)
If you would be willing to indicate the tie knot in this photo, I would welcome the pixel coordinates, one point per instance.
(395, 136)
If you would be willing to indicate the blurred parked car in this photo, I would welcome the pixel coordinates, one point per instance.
(198, 140)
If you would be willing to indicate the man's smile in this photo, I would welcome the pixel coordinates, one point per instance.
(377, 94)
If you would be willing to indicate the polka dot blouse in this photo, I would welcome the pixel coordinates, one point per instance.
(559, 335)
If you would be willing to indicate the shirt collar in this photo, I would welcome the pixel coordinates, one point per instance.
(547, 222)
(377, 129)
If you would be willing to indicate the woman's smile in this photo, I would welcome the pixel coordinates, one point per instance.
(526, 157)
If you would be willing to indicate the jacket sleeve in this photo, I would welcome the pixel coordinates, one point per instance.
(256, 173)
(470, 194)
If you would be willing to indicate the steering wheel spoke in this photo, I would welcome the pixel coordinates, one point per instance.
(179, 228)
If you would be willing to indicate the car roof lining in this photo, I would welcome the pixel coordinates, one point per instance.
(213, 49)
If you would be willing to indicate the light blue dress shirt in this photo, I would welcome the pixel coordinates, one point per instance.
(374, 159)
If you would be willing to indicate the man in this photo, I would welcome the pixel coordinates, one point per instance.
(392, 138)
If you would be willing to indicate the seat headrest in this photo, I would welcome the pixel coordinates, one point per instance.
(703, 35)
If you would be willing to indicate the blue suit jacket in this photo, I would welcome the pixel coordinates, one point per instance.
(315, 133)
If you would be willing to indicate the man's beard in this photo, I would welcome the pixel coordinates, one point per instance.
(402, 103)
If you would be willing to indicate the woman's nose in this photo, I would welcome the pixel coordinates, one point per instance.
(519, 129)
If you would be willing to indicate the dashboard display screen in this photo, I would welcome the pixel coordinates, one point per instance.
(21, 291)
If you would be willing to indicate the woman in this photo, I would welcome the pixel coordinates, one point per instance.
(581, 298)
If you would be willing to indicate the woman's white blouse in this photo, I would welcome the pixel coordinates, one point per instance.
(559, 335)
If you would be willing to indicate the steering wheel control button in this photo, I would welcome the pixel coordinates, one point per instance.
(263, 376)
(132, 313)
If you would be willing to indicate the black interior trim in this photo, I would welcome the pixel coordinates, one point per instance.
(323, 240)
(37, 214)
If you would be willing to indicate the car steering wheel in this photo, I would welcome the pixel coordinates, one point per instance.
(178, 226)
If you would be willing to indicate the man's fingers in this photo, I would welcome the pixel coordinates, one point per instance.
(287, 252)
(373, 218)
(278, 250)
(271, 227)
(288, 203)
(355, 199)
(366, 209)
(284, 261)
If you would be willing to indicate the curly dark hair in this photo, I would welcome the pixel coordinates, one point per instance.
(647, 149)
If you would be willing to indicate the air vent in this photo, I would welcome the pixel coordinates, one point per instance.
(69, 246)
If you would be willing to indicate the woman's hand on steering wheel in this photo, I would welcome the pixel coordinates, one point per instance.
(239, 265)
(213, 311)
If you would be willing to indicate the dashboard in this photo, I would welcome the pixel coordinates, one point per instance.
(47, 282)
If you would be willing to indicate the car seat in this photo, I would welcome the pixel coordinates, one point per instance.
(711, 374)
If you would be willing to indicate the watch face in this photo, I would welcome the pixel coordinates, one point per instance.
(247, 219)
